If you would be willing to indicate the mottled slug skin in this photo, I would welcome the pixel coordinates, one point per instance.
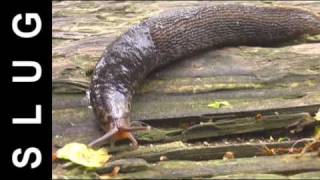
(179, 33)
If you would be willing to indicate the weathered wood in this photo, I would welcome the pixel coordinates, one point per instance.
(189, 96)
(308, 175)
(250, 176)
(181, 151)
(58, 172)
(73, 86)
(78, 124)
(251, 79)
(126, 165)
(245, 125)
(280, 83)
(282, 164)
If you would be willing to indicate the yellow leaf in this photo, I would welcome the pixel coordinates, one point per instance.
(317, 132)
(83, 155)
(218, 104)
(317, 117)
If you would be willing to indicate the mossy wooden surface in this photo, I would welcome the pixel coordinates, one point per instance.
(282, 84)
(183, 151)
(187, 169)
(78, 124)
(280, 166)
(308, 175)
(250, 78)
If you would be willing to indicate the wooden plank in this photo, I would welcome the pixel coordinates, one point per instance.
(251, 78)
(79, 125)
(280, 83)
(282, 164)
(182, 151)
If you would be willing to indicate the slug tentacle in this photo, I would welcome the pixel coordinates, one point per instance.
(176, 34)
(102, 139)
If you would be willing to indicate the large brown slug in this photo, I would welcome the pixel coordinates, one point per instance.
(176, 34)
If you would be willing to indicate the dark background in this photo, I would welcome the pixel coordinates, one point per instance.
(20, 99)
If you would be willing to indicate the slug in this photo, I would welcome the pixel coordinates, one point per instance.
(179, 33)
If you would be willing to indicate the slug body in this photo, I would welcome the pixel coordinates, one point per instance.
(176, 34)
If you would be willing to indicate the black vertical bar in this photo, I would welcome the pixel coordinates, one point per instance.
(19, 99)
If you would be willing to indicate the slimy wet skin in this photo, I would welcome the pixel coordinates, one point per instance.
(175, 34)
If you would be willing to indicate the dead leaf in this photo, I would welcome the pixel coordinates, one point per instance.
(83, 155)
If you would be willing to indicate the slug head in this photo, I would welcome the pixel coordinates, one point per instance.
(116, 129)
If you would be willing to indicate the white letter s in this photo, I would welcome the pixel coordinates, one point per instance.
(26, 157)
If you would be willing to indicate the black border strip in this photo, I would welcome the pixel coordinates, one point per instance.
(25, 143)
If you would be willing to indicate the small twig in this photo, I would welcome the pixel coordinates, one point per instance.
(299, 141)
(67, 164)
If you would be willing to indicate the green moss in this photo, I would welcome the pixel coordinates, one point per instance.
(153, 135)
(79, 173)
(312, 39)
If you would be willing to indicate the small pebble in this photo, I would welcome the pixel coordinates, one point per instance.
(271, 138)
(258, 117)
(163, 158)
(228, 155)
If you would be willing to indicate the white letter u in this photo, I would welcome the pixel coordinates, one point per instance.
(33, 78)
